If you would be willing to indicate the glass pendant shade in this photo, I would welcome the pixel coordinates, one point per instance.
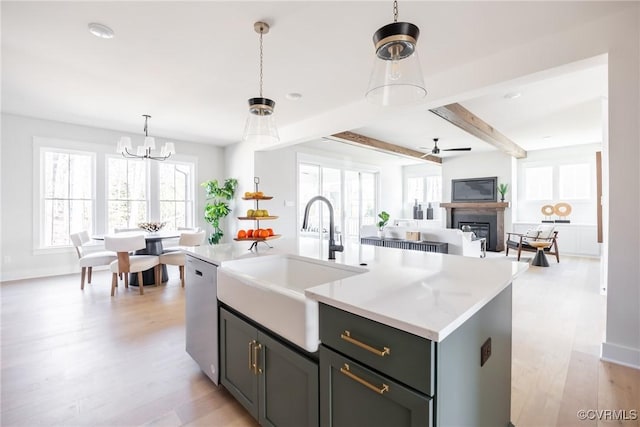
(261, 126)
(396, 78)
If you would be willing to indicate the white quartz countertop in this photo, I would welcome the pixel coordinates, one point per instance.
(426, 294)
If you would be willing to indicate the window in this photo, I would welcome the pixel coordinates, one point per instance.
(575, 181)
(538, 183)
(67, 179)
(126, 192)
(353, 190)
(415, 189)
(176, 195)
(423, 190)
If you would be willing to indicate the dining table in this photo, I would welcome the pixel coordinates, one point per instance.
(153, 247)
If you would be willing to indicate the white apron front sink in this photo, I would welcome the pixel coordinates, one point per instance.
(270, 290)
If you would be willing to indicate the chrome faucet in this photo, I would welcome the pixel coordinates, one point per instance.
(333, 248)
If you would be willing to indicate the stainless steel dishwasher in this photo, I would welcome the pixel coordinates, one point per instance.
(201, 312)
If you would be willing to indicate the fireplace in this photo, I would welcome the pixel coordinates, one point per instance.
(486, 219)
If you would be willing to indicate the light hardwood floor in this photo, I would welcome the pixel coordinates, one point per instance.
(82, 358)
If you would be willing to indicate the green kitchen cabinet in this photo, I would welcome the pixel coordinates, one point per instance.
(277, 384)
(372, 374)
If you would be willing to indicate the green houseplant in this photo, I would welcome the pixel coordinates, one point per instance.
(217, 206)
(384, 219)
(502, 189)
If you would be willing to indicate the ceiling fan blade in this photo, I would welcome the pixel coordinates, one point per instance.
(457, 149)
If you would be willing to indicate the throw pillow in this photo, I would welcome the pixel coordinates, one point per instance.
(546, 231)
(531, 235)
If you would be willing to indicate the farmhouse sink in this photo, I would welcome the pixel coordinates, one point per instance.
(270, 290)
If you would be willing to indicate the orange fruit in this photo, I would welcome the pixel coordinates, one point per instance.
(270, 230)
(242, 234)
(250, 232)
(264, 233)
(259, 194)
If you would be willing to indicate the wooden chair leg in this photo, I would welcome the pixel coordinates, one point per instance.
(114, 283)
(555, 244)
(181, 268)
(507, 250)
(89, 276)
(126, 280)
(157, 274)
(84, 270)
(519, 252)
(140, 283)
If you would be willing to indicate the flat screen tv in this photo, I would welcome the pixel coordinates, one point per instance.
(474, 189)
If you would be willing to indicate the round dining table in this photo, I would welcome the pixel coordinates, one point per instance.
(153, 247)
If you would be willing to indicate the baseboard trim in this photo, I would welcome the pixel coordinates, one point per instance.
(620, 355)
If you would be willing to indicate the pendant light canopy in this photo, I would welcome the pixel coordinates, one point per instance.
(396, 77)
(260, 126)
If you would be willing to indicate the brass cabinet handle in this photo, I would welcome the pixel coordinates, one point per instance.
(251, 364)
(256, 369)
(346, 335)
(380, 390)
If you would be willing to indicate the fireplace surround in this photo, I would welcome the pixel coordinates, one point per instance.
(481, 215)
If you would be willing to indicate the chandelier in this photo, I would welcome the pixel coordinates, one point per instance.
(260, 126)
(145, 151)
(396, 77)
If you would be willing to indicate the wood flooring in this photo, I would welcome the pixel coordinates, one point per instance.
(83, 358)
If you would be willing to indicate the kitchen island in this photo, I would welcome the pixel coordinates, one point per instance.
(414, 339)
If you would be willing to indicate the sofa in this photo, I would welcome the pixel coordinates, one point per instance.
(460, 242)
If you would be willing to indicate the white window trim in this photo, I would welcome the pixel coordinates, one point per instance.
(70, 146)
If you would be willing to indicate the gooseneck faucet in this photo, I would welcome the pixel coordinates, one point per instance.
(333, 248)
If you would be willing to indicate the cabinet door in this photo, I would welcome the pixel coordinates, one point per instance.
(238, 340)
(288, 386)
(352, 396)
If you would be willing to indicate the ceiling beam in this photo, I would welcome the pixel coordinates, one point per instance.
(469, 122)
(356, 138)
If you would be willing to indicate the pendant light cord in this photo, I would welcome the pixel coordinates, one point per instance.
(395, 11)
(261, 57)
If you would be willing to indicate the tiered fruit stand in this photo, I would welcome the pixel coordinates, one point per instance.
(257, 197)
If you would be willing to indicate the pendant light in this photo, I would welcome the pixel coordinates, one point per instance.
(396, 78)
(261, 126)
(145, 151)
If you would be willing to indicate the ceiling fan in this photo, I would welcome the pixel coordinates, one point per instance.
(436, 149)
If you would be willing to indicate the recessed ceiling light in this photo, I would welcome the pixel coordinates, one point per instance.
(513, 95)
(293, 96)
(100, 30)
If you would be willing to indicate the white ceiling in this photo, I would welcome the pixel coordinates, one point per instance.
(193, 65)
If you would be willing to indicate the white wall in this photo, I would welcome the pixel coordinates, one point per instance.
(583, 211)
(19, 260)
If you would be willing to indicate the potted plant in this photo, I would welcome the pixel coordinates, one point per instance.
(384, 219)
(217, 206)
(502, 189)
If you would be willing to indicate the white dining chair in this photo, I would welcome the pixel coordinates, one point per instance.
(127, 263)
(177, 257)
(89, 256)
